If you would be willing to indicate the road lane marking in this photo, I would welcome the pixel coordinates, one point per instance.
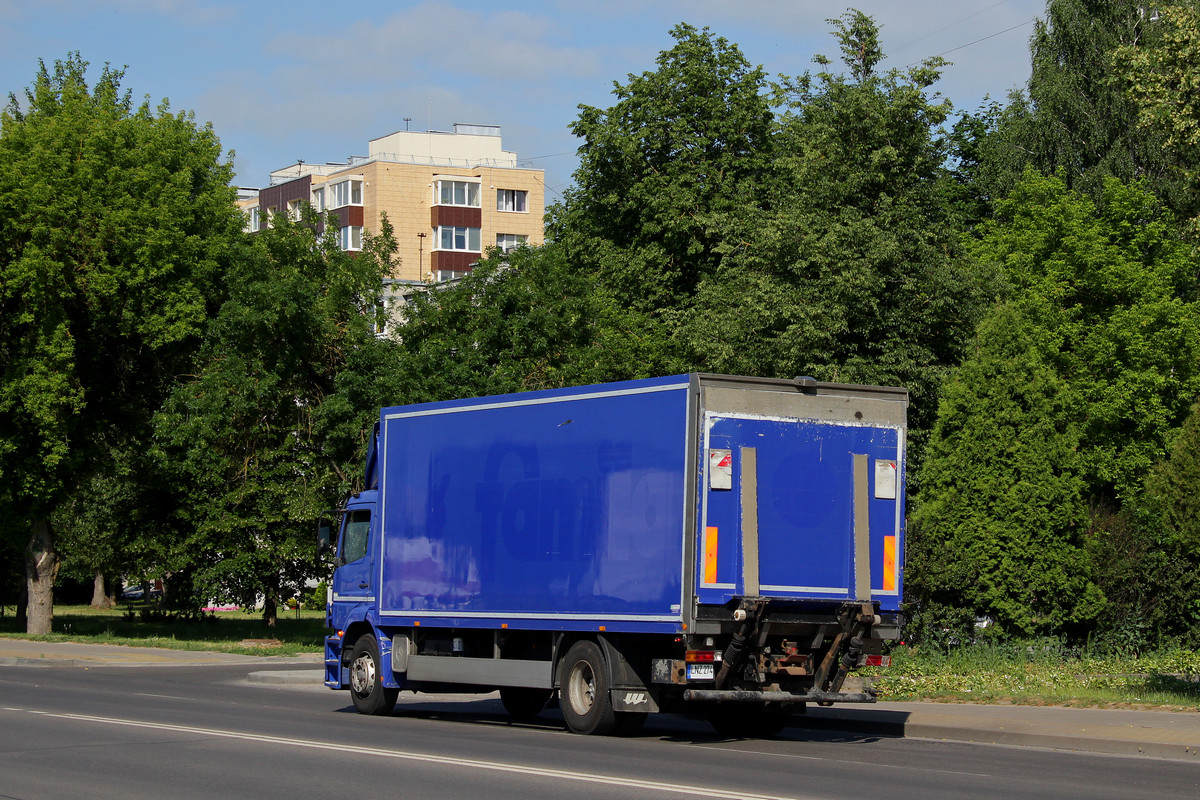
(494, 766)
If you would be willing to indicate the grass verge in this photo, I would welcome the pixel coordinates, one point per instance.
(226, 631)
(1029, 675)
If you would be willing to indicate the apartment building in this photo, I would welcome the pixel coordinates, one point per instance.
(448, 195)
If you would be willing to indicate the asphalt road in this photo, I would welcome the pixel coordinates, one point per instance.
(203, 732)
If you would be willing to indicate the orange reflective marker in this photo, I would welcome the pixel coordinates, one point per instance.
(889, 563)
(710, 554)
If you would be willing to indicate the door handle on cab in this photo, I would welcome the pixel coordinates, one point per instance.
(363, 585)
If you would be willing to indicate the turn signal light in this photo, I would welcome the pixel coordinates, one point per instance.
(700, 656)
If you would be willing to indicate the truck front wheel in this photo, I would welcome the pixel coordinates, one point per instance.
(366, 686)
(583, 684)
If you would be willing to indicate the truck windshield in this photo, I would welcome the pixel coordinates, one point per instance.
(355, 535)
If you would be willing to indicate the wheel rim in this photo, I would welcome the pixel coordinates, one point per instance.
(582, 688)
(362, 674)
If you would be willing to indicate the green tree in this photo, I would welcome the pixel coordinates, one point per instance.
(1160, 80)
(1075, 116)
(1173, 605)
(521, 321)
(1160, 76)
(95, 527)
(999, 527)
(1068, 398)
(244, 433)
(682, 150)
(856, 272)
(114, 223)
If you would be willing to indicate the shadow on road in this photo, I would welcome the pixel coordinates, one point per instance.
(817, 725)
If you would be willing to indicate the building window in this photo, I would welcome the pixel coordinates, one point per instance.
(511, 199)
(510, 241)
(294, 210)
(350, 237)
(449, 237)
(456, 193)
(318, 200)
(446, 275)
(346, 193)
(252, 219)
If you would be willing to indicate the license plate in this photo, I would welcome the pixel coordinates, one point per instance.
(700, 672)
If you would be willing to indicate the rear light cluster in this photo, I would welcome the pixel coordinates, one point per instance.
(702, 656)
(879, 661)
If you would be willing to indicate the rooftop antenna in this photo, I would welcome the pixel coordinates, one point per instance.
(406, 121)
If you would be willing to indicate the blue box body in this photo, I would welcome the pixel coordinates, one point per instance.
(595, 508)
(565, 504)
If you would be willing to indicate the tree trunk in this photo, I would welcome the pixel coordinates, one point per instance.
(23, 603)
(41, 568)
(270, 610)
(100, 597)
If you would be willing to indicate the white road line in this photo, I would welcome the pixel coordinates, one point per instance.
(582, 777)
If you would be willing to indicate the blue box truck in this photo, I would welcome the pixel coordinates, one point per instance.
(724, 545)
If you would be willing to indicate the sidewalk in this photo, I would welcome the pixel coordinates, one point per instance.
(1161, 734)
(22, 652)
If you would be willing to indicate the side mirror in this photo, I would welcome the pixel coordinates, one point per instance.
(324, 537)
(327, 525)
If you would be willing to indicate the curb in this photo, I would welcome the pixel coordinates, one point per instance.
(289, 677)
(918, 730)
(1178, 750)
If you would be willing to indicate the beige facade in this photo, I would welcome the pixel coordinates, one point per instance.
(449, 197)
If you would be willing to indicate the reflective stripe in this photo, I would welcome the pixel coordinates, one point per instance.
(710, 555)
(889, 563)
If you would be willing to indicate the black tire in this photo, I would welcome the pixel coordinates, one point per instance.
(584, 685)
(749, 721)
(524, 703)
(366, 686)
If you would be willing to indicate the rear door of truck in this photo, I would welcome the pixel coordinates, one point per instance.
(801, 491)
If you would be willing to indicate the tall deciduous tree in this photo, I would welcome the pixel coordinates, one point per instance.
(1159, 76)
(682, 150)
(856, 272)
(1075, 117)
(245, 432)
(1068, 399)
(114, 223)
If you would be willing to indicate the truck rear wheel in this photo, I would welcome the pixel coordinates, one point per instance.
(366, 685)
(583, 685)
(524, 703)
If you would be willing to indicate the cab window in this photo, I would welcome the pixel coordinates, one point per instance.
(356, 535)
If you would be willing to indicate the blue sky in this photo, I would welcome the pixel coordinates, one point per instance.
(317, 80)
